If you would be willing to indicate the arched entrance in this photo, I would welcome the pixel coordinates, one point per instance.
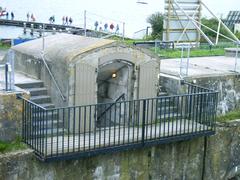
(115, 83)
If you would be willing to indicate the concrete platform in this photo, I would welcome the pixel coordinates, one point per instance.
(201, 66)
(19, 78)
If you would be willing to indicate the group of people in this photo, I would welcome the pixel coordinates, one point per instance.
(67, 20)
(12, 15)
(96, 24)
(32, 17)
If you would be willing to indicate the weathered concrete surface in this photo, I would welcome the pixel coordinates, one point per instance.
(176, 161)
(223, 152)
(231, 52)
(228, 87)
(10, 121)
(201, 66)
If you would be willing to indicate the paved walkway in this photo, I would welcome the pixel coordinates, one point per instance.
(201, 66)
(115, 137)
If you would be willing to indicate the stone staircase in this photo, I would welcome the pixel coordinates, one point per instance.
(39, 95)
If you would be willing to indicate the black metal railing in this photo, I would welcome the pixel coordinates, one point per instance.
(68, 132)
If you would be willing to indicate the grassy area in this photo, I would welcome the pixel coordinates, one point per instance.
(11, 146)
(229, 116)
(4, 46)
(193, 53)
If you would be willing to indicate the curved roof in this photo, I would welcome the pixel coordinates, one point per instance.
(61, 46)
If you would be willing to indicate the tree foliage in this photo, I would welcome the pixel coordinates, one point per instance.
(213, 24)
(156, 21)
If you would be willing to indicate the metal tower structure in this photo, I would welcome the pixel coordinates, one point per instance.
(183, 23)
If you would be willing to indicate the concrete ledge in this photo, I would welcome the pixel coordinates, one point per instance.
(231, 52)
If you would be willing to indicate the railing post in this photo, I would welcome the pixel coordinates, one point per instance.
(143, 121)
(6, 76)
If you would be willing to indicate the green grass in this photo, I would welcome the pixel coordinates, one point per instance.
(11, 146)
(193, 53)
(229, 116)
(4, 46)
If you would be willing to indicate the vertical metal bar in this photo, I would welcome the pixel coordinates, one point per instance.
(138, 119)
(193, 111)
(134, 119)
(173, 114)
(190, 111)
(105, 124)
(151, 116)
(180, 106)
(109, 134)
(84, 131)
(146, 119)
(95, 125)
(124, 121)
(129, 120)
(169, 115)
(90, 125)
(68, 133)
(6, 76)
(197, 112)
(63, 117)
(159, 114)
(79, 127)
(46, 133)
(100, 127)
(32, 126)
(57, 116)
(74, 127)
(164, 116)
(52, 133)
(119, 124)
(114, 126)
(38, 129)
(23, 120)
(41, 130)
(177, 117)
(143, 121)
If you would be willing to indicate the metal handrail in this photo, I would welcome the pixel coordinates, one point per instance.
(105, 111)
(54, 81)
(70, 132)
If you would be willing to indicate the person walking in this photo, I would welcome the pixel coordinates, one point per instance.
(117, 29)
(32, 17)
(112, 27)
(7, 15)
(28, 16)
(96, 25)
(12, 16)
(105, 26)
(66, 20)
(70, 20)
(63, 20)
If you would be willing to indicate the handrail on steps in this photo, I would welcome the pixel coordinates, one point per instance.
(54, 81)
(120, 97)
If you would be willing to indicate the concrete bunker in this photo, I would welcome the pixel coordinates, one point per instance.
(89, 70)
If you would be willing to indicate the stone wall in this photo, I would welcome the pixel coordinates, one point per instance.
(176, 161)
(10, 121)
(228, 87)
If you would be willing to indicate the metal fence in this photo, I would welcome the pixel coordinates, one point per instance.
(71, 132)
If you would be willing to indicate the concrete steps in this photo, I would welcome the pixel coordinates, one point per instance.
(50, 123)
(166, 108)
